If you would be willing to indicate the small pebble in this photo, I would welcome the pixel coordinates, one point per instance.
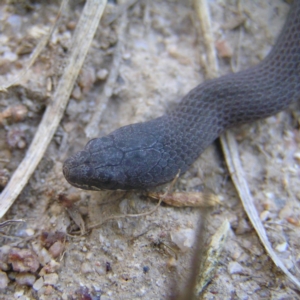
(47, 291)
(86, 79)
(235, 268)
(29, 231)
(126, 55)
(76, 94)
(86, 268)
(51, 267)
(4, 251)
(56, 249)
(71, 25)
(100, 268)
(23, 260)
(4, 177)
(15, 138)
(282, 247)
(102, 74)
(265, 215)
(243, 227)
(3, 280)
(223, 48)
(19, 293)
(89, 255)
(172, 263)
(38, 284)
(10, 56)
(15, 22)
(288, 263)
(44, 256)
(183, 238)
(297, 156)
(25, 279)
(51, 279)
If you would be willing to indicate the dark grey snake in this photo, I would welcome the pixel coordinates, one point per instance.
(144, 155)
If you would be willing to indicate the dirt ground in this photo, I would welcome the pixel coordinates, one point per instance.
(49, 256)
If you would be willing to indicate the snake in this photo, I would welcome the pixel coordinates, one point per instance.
(148, 154)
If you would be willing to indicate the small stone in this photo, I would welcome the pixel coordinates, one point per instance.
(282, 247)
(15, 138)
(48, 290)
(23, 260)
(25, 279)
(4, 250)
(16, 113)
(243, 227)
(172, 263)
(223, 48)
(265, 215)
(50, 279)
(183, 238)
(3, 280)
(288, 263)
(86, 79)
(4, 177)
(15, 23)
(86, 268)
(56, 249)
(100, 268)
(297, 156)
(126, 55)
(19, 294)
(76, 94)
(235, 268)
(44, 256)
(10, 56)
(89, 255)
(38, 284)
(29, 232)
(71, 25)
(286, 212)
(102, 74)
(51, 267)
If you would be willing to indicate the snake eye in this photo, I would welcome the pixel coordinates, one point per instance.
(96, 145)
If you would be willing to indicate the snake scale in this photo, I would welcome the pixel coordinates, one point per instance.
(144, 155)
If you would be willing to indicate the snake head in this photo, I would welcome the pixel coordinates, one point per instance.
(128, 158)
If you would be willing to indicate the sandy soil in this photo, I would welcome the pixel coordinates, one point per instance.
(142, 258)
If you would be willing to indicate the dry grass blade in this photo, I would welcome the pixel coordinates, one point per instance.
(231, 153)
(92, 129)
(10, 222)
(211, 67)
(230, 149)
(122, 9)
(85, 31)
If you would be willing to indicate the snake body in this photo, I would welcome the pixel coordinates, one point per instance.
(143, 155)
